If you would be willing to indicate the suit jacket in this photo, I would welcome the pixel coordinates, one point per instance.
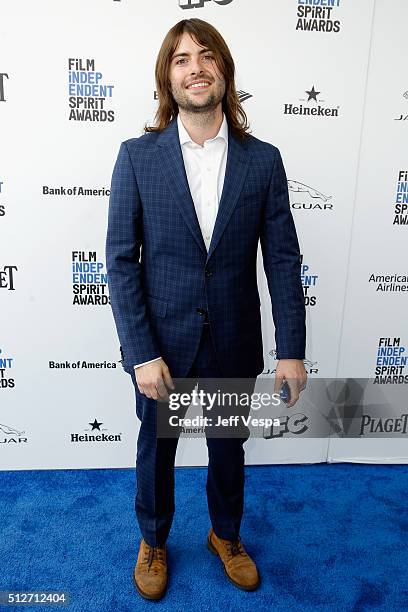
(162, 281)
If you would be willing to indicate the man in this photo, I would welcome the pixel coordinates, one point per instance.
(196, 193)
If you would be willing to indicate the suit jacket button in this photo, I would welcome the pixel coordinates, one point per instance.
(208, 272)
(201, 311)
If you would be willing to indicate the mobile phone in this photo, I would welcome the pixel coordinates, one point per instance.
(284, 393)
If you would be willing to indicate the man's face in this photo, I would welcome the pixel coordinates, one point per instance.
(194, 64)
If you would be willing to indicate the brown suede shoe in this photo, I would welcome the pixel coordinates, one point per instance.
(238, 565)
(150, 574)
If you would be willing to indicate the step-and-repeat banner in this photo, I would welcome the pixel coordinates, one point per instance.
(324, 81)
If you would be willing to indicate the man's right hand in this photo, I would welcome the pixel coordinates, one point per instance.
(152, 379)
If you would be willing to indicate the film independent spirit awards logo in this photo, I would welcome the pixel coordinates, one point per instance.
(318, 16)
(401, 199)
(89, 279)
(6, 376)
(88, 95)
(309, 282)
(391, 362)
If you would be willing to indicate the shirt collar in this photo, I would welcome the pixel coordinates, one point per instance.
(185, 137)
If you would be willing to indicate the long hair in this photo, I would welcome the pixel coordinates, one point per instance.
(206, 35)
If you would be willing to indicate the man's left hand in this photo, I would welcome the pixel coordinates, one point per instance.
(293, 370)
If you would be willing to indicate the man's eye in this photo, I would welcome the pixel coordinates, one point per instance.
(206, 57)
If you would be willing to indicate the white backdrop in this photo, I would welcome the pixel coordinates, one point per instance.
(347, 176)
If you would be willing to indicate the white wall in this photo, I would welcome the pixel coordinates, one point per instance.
(343, 173)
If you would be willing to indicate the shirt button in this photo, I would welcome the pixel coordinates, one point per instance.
(208, 169)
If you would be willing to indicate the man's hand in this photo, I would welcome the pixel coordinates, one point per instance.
(293, 370)
(152, 379)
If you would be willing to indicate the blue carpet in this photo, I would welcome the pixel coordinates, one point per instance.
(326, 537)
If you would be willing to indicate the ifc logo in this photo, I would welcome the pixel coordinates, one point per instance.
(188, 4)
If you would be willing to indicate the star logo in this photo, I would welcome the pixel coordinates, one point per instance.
(312, 94)
(96, 425)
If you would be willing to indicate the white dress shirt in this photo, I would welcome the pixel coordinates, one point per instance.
(205, 169)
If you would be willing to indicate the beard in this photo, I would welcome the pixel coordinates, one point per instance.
(204, 103)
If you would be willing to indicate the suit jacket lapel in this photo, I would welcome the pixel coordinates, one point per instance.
(172, 166)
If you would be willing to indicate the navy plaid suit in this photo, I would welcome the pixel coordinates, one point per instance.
(157, 302)
(160, 297)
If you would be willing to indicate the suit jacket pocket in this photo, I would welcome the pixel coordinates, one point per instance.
(156, 306)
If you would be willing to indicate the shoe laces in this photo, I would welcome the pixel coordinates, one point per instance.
(235, 548)
(154, 553)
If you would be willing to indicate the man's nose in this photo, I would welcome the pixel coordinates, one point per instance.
(195, 66)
